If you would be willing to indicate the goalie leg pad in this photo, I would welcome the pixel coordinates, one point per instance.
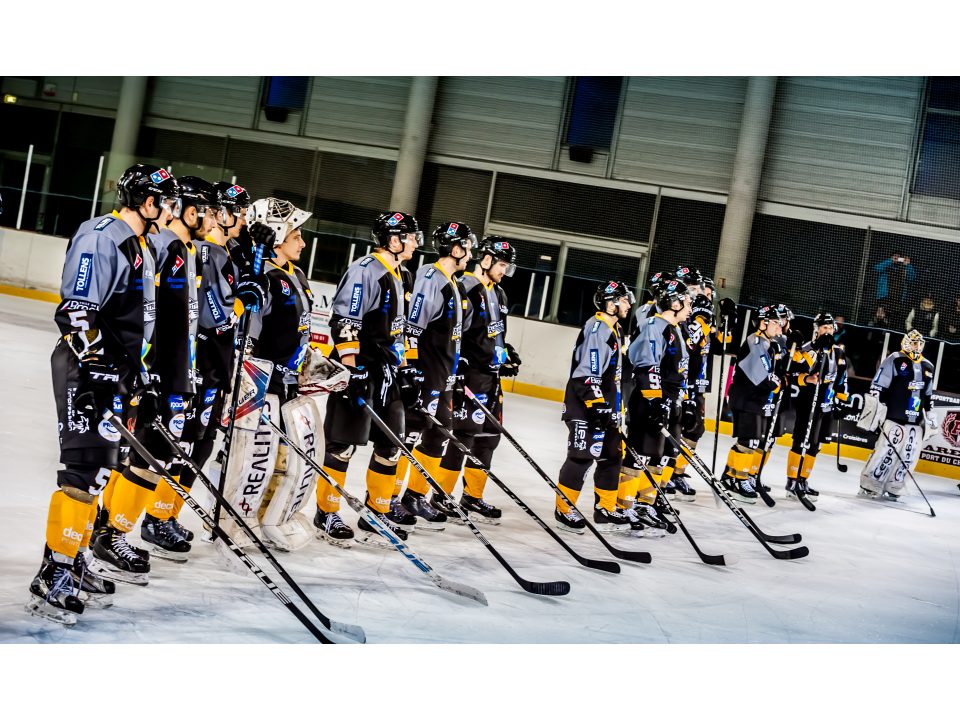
(252, 459)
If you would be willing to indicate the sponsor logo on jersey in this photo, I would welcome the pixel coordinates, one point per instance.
(915, 403)
(394, 219)
(416, 308)
(432, 406)
(176, 403)
(205, 416)
(159, 176)
(218, 315)
(177, 423)
(594, 361)
(477, 416)
(84, 275)
(104, 223)
(356, 299)
(177, 265)
(108, 431)
(137, 262)
(285, 287)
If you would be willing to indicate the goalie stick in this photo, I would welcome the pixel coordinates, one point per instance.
(907, 469)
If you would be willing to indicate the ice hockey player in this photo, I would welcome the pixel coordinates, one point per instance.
(434, 328)
(138, 487)
(104, 353)
(592, 409)
(820, 370)
(899, 404)
(752, 399)
(660, 360)
(485, 358)
(366, 323)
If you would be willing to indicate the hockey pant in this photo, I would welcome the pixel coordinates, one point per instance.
(691, 438)
(819, 433)
(427, 440)
(744, 457)
(657, 453)
(346, 427)
(883, 470)
(586, 445)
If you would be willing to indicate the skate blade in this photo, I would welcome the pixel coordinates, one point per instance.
(341, 543)
(654, 532)
(40, 608)
(424, 525)
(481, 519)
(612, 528)
(744, 499)
(569, 530)
(685, 497)
(372, 540)
(158, 552)
(101, 569)
(96, 601)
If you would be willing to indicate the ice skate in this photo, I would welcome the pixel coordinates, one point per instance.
(331, 529)
(480, 511)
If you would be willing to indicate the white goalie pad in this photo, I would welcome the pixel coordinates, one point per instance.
(884, 470)
(253, 392)
(321, 375)
(281, 523)
(253, 454)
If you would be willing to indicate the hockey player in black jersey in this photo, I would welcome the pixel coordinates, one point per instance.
(659, 357)
(485, 358)
(592, 410)
(434, 327)
(752, 399)
(899, 403)
(104, 353)
(366, 324)
(819, 368)
(174, 383)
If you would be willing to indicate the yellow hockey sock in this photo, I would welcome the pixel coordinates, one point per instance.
(681, 464)
(417, 482)
(106, 496)
(646, 491)
(88, 529)
(474, 481)
(328, 498)
(66, 521)
(607, 498)
(403, 466)
(161, 504)
(571, 494)
(755, 462)
(793, 464)
(380, 489)
(133, 490)
(808, 462)
(666, 475)
(627, 489)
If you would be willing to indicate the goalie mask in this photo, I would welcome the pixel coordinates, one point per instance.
(912, 344)
(281, 216)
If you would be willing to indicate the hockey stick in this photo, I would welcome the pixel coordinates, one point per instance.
(907, 469)
(348, 630)
(807, 504)
(764, 539)
(840, 467)
(721, 394)
(661, 499)
(625, 554)
(768, 442)
(547, 588)
(241, 345)
(218, 530)
(463, 590)
(601, 564)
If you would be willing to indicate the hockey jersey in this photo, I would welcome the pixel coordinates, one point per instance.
(434, 324)
(485, 325)
(595, 370)
(830, 364)
(108, 289)
(754, 380)
(660, 359)
(905, 386)
(281, 329)
(217, 328)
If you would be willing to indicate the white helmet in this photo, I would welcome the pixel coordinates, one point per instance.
(281, 216)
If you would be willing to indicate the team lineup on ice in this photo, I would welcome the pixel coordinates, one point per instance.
(183, 329)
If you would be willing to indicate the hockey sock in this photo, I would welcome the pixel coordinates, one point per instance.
(681, 462)
(606, 498)
(381, 478)
(328, 498)
(627, 489)
(646, 491)
(755, 462)
(161, 505)
(134, 489)
(808, 462)
(666, 474)
(88, 529)
(474, 481)
(66, 520)
(739, 463)
(106, 496)
(793, 464)
(418, 483)
(403, 466)
(571, 494)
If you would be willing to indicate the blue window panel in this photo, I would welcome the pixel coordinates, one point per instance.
(944, 93)
(938, 173)
(593, 112)
(286, 91)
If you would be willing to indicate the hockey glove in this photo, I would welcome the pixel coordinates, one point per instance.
(689, 415)
(512, 367)
(656, 413)
(460, 376)
(263, 235)
(411, 381)
(95, 391)
(252, 292)
(359, 385)
(874, 413)
(600, 414)
(148, 407)
(931, 425)
(728, 310)
(823, 342)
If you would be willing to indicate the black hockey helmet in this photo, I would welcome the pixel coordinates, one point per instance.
(232, 198)
(502, 250)
(689, 275)
(658, 280)
(708, 283)
(450, 234)
(196, 193)
(394, 223)
(785, 311)
(671, 291)
(822, 319)
(772, 313)
(703, 306)
(142, 181)
(612, 291)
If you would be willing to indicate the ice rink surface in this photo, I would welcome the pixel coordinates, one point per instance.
(875, 573)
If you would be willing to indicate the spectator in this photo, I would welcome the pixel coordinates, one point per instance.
(895, 277)
(950, 323)
(840, 332)
(880, 318)
(925, 318)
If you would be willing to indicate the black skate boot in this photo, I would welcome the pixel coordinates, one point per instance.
(480, 511)
(429, 518)
(331, 529)
(54, 594)
(164, 540)
(181, 529)
(571, 521)
(610, 522)
(369, 536)
(114, 559)
(644, 519)
(95, 590)
(401, 517)
(808, 490)
(670, 489)
(685, 492)
(445, 505)
(742, 489)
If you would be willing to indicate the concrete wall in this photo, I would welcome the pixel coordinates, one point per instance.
(31, 260)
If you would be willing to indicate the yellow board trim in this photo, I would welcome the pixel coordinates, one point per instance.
(35, 294)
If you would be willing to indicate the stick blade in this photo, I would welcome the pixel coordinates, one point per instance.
(547, 589)
(461, 590)
(795, 553)
(350, 631)
(602, 564)
(632, 556)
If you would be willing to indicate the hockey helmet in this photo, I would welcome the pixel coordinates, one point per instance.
(142, 181)
(703, 306)
(689, 275)
(912, 344)
(671, 292)
(450, 234)
(658, 280)
(785, 311)
(773, 313)
(282, 217)
(232, 198)
(196, 193)
(824, 319)
(394, 223)
(502, 250)
(612, 291)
